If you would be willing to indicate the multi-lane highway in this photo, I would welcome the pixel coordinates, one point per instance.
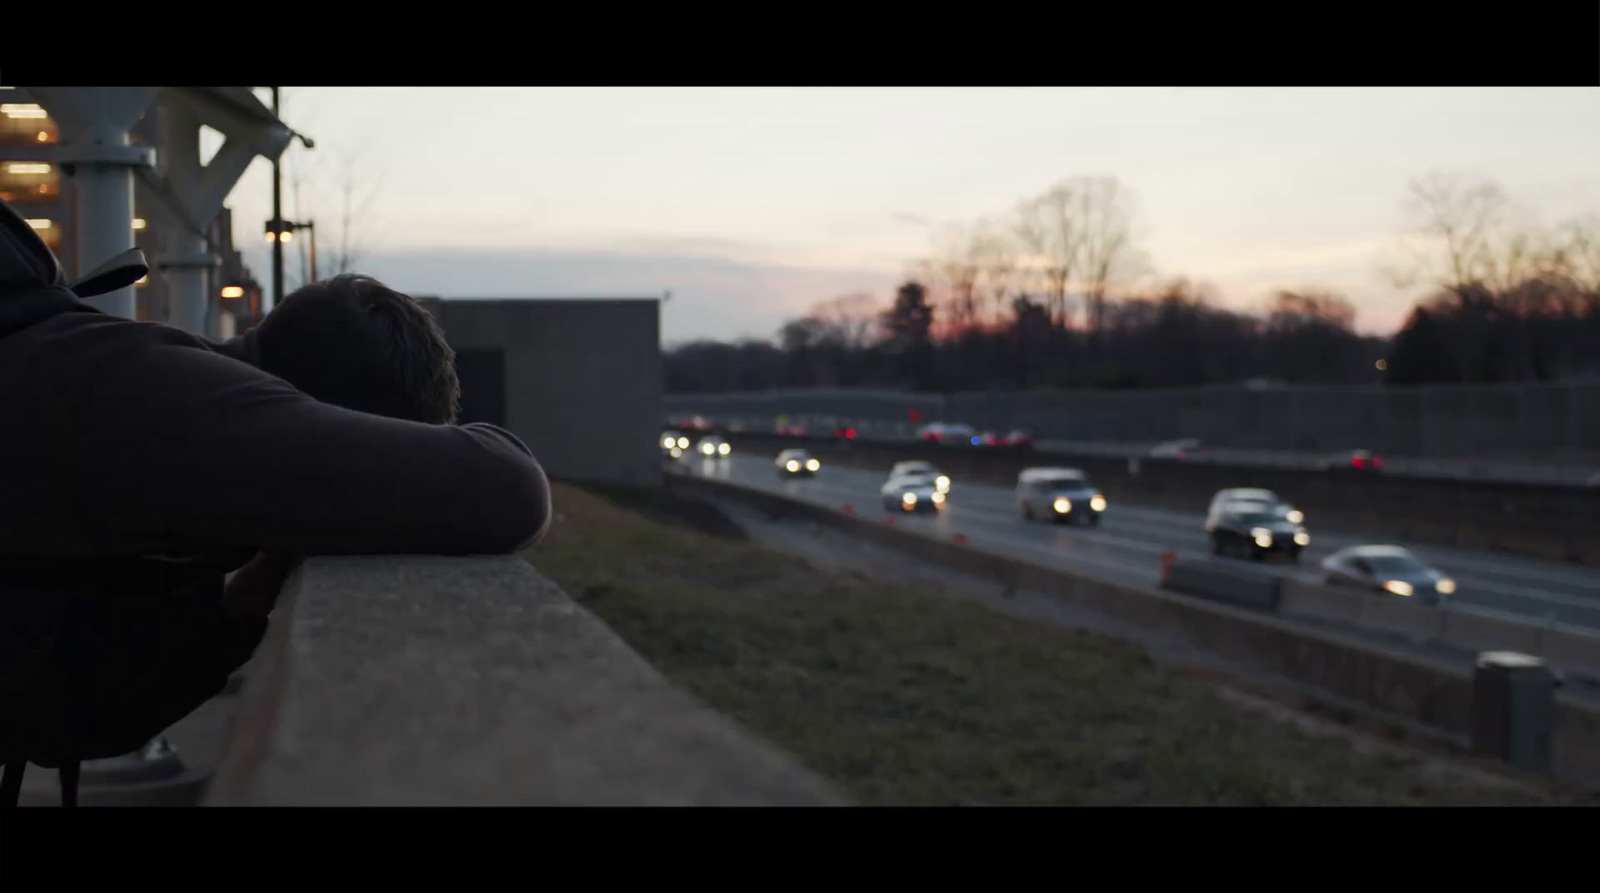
(1130, 540)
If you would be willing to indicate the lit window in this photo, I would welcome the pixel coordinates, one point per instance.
(39, 223)
(138, 223)
(27, 167)
(233, 291)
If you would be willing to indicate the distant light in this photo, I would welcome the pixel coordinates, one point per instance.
(1062, 505)
(285, 236)
(976, 440)
(138, 223)
(142, 280)
(1382, 365)
(724, 449)
(44, 137)
(23, 110)
(270, 236)
(909, 498)
(39, 223)
(233, 291)
(813, 465)
(792, 465)
(27, 167)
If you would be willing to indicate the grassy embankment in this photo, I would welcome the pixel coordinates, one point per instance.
(903, 697)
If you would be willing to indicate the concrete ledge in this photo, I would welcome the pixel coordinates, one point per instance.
(1225, 581)
(388, 681)
(1435, 691)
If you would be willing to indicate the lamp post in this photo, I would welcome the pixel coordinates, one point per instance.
(279, 230)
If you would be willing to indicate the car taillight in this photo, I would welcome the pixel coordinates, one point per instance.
(850, 433)
(1358, 462)
(1376, 462)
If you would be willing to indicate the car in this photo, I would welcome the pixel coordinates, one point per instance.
(1061, 494)
(1018, 439)
(1247, 494)
(915, 492)
(674, 444)
(1188, 448)
(796, 463)
(713, 447)
(905, 469)
(1253, 529)
(1355, 460)
(940, 432)
(1391, 569)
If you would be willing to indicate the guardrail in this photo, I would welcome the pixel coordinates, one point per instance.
(1438, 692)
(1548, 521)
(474, 681)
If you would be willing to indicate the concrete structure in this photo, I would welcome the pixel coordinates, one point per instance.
(1438, 421)
(33, 180)
(578, 380)
(423, 681)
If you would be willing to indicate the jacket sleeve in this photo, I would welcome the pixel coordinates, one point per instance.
(179, 444)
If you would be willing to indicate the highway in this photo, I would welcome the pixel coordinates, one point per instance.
(1128, 544)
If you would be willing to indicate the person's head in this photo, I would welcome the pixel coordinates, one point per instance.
(353, 342)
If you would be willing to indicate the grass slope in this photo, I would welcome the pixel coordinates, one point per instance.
(906, 698)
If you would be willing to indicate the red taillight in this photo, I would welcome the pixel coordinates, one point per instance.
(1376, 462)
(1358, 462)
(850, 433)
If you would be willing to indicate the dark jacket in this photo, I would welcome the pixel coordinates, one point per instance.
(139, 462)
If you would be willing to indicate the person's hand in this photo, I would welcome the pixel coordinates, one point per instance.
(253, 590)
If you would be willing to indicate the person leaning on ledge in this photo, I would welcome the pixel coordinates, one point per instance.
(142, 464)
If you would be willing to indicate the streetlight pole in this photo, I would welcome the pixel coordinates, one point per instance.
(277, 218)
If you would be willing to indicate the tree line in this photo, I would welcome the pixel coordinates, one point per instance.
(1060, 293)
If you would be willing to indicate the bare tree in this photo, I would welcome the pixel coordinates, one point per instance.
(854, 317)
(1106, 220)
(1049, 231)
(358, 186)
(994, 249)
(957, 266)
(1457, 222)
(1576, 252)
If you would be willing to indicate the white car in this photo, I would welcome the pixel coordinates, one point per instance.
(1391, 569)
(796, 463)
(908, 469)
(1061, 494)
(713, 447)
(912, 493)
(1254, 494)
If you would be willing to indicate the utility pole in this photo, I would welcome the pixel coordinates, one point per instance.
(277, 219)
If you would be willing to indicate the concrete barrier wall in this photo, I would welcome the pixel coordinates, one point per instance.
(1548, 521)
(1444, 421)
(416, 681)
(1432, 691)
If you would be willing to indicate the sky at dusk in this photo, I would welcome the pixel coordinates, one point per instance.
(752, 204)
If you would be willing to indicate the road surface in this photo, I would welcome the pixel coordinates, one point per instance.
(1128, 544)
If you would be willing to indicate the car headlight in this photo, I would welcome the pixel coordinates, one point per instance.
(908, 498)
(1097, 502)
(1296, 516)
(1446, 586)
(942, 484)
(792, 465)
(1063, 504)
(676, 452)
(938, 498)
(707, 448)
(1398, 587)
(1301, 538)
(812, 465)
(666, 443)
(1262, 536)
(724, 449)
(683, 443)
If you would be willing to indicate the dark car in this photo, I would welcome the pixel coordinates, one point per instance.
(1390, 569)
(796, 463)
(1254, 530)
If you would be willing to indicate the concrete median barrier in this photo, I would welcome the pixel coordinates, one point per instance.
(1435, 691)
(1482, 629)
(1401, 617)
(1225, 581)
(1314, 600)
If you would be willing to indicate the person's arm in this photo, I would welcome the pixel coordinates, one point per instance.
(178, 443)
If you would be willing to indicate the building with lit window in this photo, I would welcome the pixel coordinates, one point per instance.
(32, 183)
